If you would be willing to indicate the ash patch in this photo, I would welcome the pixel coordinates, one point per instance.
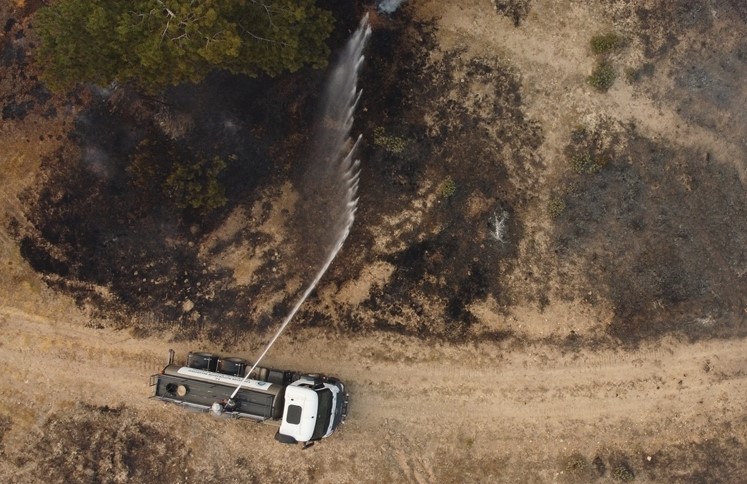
(5, 425)
(102, 444)
(654, 230)
(516, 10)
(443, 133)
(662, 25)
(720, 459)
(24, 92)
(709, 82)
(102, 228)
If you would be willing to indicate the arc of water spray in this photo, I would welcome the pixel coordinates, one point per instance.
(342, 98)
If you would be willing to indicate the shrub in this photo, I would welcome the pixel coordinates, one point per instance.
(602, 77)
(447, 188)
(576, 468)
(392, 144)
(195, 185)
(603, 44)
(556, 206)
(584, 163)
(622, 472)
(632, 75)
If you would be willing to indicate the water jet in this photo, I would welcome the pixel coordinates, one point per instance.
(331, 178)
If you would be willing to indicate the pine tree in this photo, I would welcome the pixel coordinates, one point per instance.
(156, 43)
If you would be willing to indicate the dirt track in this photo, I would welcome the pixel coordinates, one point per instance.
(424, 413)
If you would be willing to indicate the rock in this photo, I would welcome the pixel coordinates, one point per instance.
(187, 306)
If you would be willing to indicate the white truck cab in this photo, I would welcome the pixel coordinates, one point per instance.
(311, 410)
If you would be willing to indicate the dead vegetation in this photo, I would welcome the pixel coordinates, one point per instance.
(101, 444)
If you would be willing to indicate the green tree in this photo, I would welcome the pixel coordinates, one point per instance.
(156, 43)
(195, 185)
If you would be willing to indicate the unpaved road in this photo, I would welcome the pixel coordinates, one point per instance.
(420, 412)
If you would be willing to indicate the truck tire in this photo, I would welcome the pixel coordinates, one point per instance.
(200, 360)
(232, 366)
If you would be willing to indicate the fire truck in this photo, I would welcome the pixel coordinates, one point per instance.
(308, 407)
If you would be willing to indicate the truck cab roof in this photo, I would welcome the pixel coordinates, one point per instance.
(300, 413)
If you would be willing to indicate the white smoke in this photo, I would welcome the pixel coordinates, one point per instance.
(389, 6)
(97, 161)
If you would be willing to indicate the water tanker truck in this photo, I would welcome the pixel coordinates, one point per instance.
(308, 407)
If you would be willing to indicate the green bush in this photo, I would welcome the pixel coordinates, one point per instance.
(576, 468)
(602, 77)
(195, 185)
(447, 188)
(584, 163)
(556, 206)
(622, 472)
(392, 144)
(603, 44)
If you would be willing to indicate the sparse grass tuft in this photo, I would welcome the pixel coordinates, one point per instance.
(605, 43)
(556, 206)
(622, 472)
(447, 187)
(392, 144)
(603, 76)
(584, 163)
(576, 468)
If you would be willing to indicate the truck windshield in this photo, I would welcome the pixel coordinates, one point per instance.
(323, 414)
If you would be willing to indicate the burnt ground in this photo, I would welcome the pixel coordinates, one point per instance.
(108, 231)
(663, 266)
(103, 444)
(650, 229)
(450, 259)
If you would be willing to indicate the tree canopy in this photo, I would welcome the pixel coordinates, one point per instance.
(157, 43)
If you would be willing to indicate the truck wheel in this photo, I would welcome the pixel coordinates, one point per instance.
(200, 360)
(182, 390)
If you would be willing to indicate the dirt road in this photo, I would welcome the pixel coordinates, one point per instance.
(419, 412)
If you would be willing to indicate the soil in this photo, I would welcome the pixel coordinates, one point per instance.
(544, 282)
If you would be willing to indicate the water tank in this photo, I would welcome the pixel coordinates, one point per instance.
(202, 361)
(232, 366)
